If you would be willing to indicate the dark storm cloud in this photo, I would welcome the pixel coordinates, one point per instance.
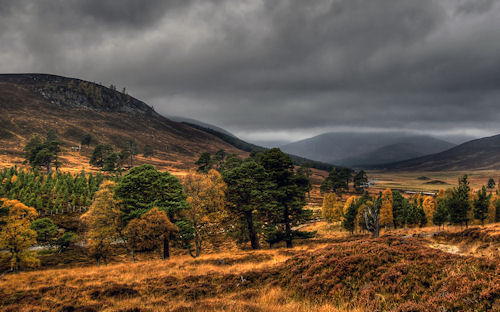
(276, 69)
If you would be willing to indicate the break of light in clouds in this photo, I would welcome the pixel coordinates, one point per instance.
(276, 70)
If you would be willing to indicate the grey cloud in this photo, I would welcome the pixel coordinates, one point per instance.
(276, 66)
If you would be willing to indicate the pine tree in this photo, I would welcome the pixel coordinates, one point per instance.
(481, 204)
(441, 215)
(351, 211)
(399, 209)
(459, 204)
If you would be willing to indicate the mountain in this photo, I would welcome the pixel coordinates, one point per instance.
(249, 147)
(199, 123)
(385, 154)
(34, 103)
(481, 153)
(359, 149)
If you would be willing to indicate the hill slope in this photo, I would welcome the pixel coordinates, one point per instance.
(34, 103)
(476, 154)
(199, 123)
(353, 149)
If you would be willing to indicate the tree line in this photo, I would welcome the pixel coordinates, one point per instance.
(390, 209)
(255, 200)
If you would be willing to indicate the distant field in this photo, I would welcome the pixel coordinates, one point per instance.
(433, 182)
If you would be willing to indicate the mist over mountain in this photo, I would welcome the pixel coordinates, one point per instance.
(481, 153)
(357, 149)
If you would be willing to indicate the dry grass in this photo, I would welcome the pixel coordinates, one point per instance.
(410, 181)
(239, 280)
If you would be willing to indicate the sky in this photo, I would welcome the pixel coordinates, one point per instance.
(276, 70)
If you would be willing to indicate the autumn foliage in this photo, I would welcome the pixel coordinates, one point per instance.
(16, 235)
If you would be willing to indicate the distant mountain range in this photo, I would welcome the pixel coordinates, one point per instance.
(481, 153)
(366, 149)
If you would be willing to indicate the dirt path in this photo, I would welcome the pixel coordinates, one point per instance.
(446, 248)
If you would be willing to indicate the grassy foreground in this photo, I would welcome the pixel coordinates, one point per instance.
(401, 271)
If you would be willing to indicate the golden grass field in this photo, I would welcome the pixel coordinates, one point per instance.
(235, 280)
(410, 181)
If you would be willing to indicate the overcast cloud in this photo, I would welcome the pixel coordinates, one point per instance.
(276, 70)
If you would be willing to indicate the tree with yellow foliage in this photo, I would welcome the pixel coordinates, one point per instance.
(16, 234)
(332, 208)
(206, 196)
(386, 218)
(429, 204)
(149, 231)
(103, 221)
(360, 223)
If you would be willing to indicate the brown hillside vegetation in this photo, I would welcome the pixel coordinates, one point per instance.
(33, 104)
(333, 272)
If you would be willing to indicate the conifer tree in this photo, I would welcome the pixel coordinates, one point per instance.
(459, 203)
(481, 204)
(441, 215)
(351, 211)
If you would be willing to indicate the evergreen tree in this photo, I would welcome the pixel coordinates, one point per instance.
(148, 151)
(459, 204)
(441, 215)
(144, 187)
(349, 221)
(491, 183)
(360, 180)
(399, 209)
(248, 196)
(481, 205)
(306, 173)
(40, 153)
(86, 140)
(99, 155)
(204, 162)
(337, 181)
(132, 150)
(218, 159)
(288, 193)
(46, 229)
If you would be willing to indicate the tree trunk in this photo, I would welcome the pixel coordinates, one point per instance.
(288, 230)
(251, 230)
(166, 248)
(132, 255)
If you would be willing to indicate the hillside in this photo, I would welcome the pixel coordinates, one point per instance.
(482, 153)
(355, 149)
(34, 103)
(199, 123)
(388, 153)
